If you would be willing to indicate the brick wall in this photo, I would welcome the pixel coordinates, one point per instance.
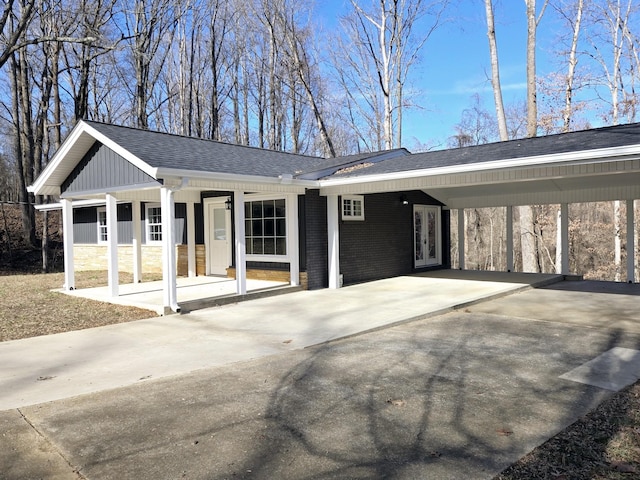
(94, 257)
(381, 246)
(316, 256)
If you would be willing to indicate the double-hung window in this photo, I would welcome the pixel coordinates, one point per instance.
(102, 225)
(154, 223)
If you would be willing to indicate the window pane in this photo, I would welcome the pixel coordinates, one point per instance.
(280, 208)
(247, 210)
(256, 209)
(256, 228)
(269, 227)
(257, 246)
(248, 246)
(281, 227)
(269, 246)
(269, 210)
(281, 246)
(356, 208)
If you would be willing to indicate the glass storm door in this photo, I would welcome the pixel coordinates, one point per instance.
(426, 233)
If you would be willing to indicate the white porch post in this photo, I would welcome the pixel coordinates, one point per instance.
(293, 241)
(167, 208)
(67, 239)
(333, 233)
(461, 264)
(136, 242)
(564, 238)
(241, 247)
(509, 214)
(191, 239)
(631, 247)
(112, 245)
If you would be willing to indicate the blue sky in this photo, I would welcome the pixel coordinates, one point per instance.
(455, 65)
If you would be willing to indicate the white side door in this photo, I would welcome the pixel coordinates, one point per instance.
(218, 239)
(426, 230)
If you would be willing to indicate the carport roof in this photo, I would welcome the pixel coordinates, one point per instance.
(594, 139)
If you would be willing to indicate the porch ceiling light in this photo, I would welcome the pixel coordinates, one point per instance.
(404, 200)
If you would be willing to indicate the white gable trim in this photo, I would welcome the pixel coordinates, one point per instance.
(82, 137)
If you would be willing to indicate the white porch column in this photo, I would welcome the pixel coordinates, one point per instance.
(333, 232)
(564, 238)
(240, 243)
(136, 241)
(293, 240)
(509, 215)
(67, 239)
(191, 239)
(461, 264)
(631, 247)
(167, 206)
(112, 245)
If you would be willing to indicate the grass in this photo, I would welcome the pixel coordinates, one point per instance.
(29, 307)
(603, 445)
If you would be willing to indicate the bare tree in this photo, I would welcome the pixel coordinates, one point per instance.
(384, 40)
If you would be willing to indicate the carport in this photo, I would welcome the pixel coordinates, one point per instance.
(579, 167)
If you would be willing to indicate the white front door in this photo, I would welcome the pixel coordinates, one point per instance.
(426, 227)
(218, 236)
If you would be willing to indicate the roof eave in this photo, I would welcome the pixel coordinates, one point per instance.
(579, 157)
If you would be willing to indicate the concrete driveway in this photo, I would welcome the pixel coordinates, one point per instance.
(457, 395)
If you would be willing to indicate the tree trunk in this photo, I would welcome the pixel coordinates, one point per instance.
(495, 72)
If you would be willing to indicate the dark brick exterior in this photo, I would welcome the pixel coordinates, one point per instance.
(381, 246)
(315, 258)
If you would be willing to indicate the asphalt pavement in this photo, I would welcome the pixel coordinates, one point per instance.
(462, 393)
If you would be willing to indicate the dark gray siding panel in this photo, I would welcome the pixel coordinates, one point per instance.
(125, 227)
(199, 214)
(381, 246)
(101, 169)
(85, 224)
(85, 227)
(315, 251)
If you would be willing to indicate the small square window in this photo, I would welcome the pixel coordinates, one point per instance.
(154, 223)
(353, 207)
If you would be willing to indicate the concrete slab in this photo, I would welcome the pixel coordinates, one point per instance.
(149, 295)
(614, 369)
(59, 366)
(461, 395)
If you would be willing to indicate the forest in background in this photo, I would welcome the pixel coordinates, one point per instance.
(267, 73)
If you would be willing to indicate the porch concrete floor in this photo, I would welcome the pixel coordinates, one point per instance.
(149, 295)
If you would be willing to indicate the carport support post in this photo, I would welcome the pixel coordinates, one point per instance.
(564, 238)
(241, 247)
(136, 241)
(461, 238)
(333, 237)
(631, 247)
(112, 244)
(67, 238)
(294, 243)
(509, 215)
(167, 208)
(191, 239)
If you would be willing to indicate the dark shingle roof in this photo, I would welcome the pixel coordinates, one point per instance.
(616, 136)
(162, 150)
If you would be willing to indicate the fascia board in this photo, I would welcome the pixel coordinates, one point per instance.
(581, 157)
(232, 177)
(57, 159)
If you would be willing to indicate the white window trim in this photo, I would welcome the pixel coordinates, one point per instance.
(148, 240)
(350, 216)
(100, 226)
(272, 258)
